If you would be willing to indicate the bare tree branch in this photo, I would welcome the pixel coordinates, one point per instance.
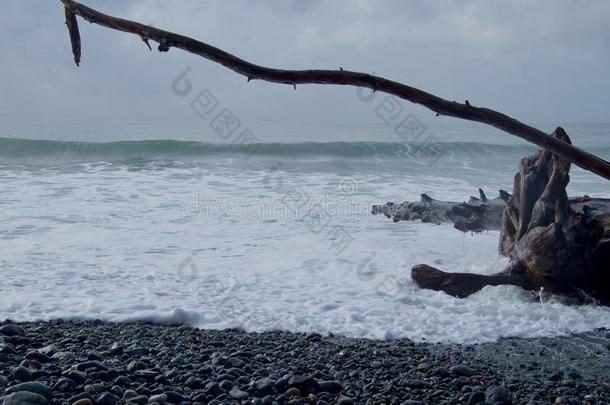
(72, 25)
(466, 111)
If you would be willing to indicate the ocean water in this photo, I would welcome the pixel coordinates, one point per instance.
(270, 236)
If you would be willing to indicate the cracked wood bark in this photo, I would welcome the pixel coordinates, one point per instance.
(467, 111)
(560, 245)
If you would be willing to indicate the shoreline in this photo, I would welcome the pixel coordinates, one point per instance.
(107, 363)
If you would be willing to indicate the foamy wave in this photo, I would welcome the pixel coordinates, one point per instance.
(21, 150)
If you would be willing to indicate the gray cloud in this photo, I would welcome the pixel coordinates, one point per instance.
(541, 61)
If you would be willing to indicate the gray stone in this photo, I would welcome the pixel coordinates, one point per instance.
(35, 387)
(83, 401)
(237, 362)
(48, 349)
(292, 392)
(39, 357)
(135, 366)
(194, 382)
(106, 398)
(304, 383)
(77, 376)
(238, 394)
(115, 349)
(441, 371)
(343, 400)
(75, 398)
(21, 373)
(574, 374)
(94, 355)
(67, 357)
(476, 397)
(6, 348)
(128, 394)
(12, 330)
(462, 371)
(174, 397)
(414, 383)
(332, 387)
(140, 399)
(268, 400)
(117, 390)
(499, 394)
(212, 388)
(226, 385)
(161, 398)
(91, 364)
(25, 398)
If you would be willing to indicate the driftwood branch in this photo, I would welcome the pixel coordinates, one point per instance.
(463, 284)
(475, 215)
(72, 25)
(467, 111)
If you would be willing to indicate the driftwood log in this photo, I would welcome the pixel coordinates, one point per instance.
(551, 244)
(554, 243)
(475, 215)
(478, 214)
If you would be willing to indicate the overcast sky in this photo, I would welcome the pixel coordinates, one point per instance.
(541, 62)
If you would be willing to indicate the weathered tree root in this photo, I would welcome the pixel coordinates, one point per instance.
(560, 245)
(463, 284)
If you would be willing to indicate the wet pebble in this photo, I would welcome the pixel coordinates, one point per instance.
(99, 363)
(25, 398)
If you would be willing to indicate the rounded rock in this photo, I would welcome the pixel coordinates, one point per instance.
(226, 385)
(21, 373)
(25, 398)
(161, 398)
(12, 330)
(415, 383)
(238, 394)
(39, 357)
(106, 398)
(343, 400)
(461, 370)
(332, 387)
(83, 401)
(34, 387)
(304, 383)
(499, 394)
(476, 397)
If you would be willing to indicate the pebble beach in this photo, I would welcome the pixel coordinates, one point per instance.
(103, 363)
